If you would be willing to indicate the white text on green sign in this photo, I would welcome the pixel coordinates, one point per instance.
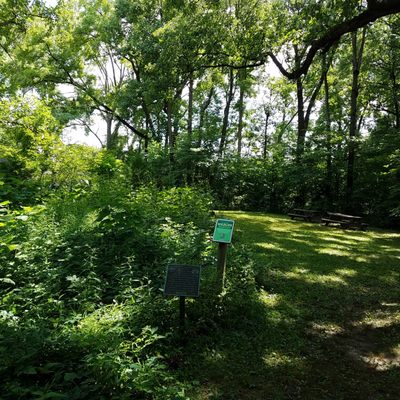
(223, 231)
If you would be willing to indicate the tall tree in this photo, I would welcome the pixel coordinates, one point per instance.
(229, 94)
(385, 69)
(66, 47)
(328, 131)
(241, 109)
(357, 46)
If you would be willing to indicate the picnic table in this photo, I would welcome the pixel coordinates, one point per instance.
(345, 221)
(306, 215)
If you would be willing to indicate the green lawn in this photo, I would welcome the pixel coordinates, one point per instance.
(325, 321)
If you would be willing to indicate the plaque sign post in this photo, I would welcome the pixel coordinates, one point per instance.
(182, 281)
(223, 236)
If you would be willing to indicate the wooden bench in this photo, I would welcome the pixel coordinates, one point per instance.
(345, 221)
(306, 215)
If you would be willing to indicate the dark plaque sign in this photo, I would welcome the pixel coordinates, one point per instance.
(182, 280)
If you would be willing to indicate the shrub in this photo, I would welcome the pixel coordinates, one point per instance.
(81, 307)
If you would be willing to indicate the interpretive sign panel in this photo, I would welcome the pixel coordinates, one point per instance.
(223, 231)
(182, 280)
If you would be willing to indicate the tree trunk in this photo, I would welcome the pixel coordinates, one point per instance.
(395, 97)
(328, 123)
(357, 53)
(303, 116)
(301, 122)
(170, 132)
(240, 121)
(303, 119)
(203, 109)
(394, 59)
(149, 121)
(229, 98)
(109, 141)
(267, 115)
(190, 109)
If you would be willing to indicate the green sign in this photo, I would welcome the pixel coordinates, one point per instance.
(223, 231)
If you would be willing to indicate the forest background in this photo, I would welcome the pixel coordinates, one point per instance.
(185, 98)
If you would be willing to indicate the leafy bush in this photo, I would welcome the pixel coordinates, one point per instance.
(81, 305)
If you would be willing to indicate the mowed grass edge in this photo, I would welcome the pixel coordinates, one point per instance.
(326, 321)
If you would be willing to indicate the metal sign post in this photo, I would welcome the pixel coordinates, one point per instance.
(223, 236)
(221, 263)
(182, 314)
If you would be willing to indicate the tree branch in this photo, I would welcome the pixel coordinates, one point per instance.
(98, 103)
(324, 72)
(235, 66)
(376, 9)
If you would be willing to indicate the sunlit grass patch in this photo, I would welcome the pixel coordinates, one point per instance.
(329, 316)
(326, 329)
(317, 278)
(346, 272)
(381, 318)
(271, 246)
(338, 251)
(269, 299)
(277, 359)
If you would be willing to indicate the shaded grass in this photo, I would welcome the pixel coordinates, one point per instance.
(324, 324)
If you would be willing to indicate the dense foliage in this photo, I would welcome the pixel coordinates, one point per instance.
(179, 88)
(82, 310)
(185, 91)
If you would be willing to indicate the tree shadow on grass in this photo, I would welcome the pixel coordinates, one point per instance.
(325, 323)
(284, 351)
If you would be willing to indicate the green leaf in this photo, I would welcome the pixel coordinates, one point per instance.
(70, 376)
(52, 395)
(29, 370)
(7, 280)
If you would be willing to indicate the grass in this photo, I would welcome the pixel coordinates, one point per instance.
(324, 323)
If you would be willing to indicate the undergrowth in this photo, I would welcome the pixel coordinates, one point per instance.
(82, 314)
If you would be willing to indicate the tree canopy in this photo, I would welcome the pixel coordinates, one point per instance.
(193, 80)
